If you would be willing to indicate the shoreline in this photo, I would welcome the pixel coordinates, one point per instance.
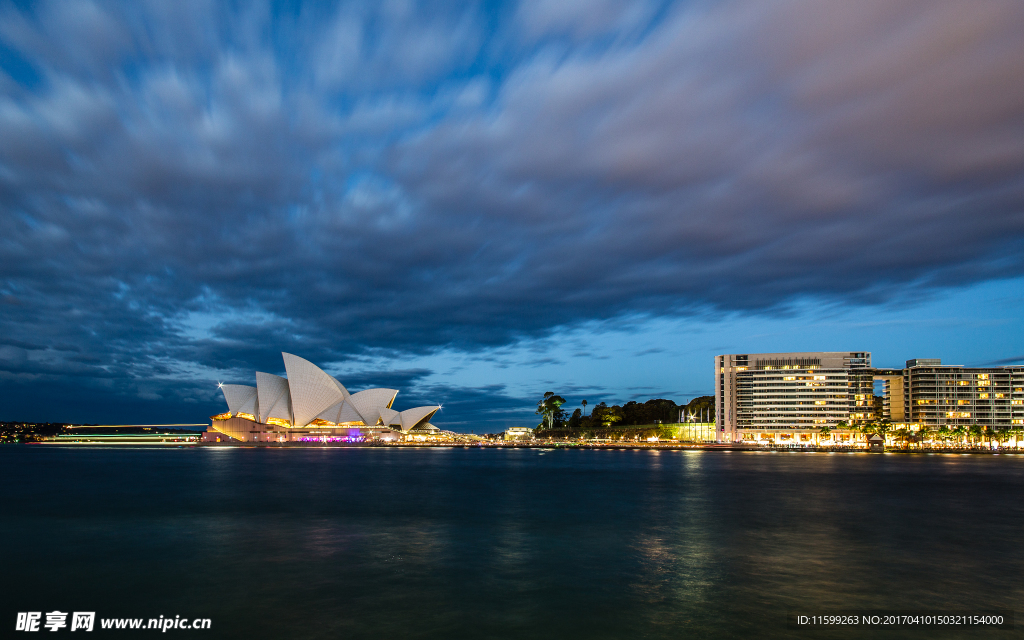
(532, 445)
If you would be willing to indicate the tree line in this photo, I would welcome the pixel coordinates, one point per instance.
(958, 435)
(552, 410)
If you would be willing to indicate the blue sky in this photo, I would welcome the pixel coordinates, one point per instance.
(479, 203)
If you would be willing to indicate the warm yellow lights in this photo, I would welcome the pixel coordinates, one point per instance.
(247, 416)
(278, 422)
(984, 396)
(958, 414)
(221, 416)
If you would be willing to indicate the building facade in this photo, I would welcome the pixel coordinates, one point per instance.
(788, 397)
(518, 433)
(931, 396)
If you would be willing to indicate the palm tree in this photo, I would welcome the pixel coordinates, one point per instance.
(883, 427)
(902, 436)
(961, 434)
(945, 434)
(1015, 432)
(977, 431)
(825, 430)
(584, 403)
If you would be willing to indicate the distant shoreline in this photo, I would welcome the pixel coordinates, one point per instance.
(531, 445)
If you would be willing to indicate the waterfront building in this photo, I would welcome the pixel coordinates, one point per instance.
(693, 431)
(929, 395)
(519, 433)
(310, 405)
(787, 398)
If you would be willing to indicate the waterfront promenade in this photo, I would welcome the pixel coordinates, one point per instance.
(629, 446)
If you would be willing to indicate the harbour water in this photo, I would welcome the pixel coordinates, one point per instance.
(467, 543)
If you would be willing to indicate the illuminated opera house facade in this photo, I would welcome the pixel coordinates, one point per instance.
(310, 405)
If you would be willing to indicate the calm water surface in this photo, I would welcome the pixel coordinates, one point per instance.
(454, 543)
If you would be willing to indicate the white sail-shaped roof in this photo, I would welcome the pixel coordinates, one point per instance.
(274, 399)
(349, 414)
(331, 413)
(390, 416)
(369, 403)
(240, 398)
(340, 413)
(309, 393)
(411, 417)
(341, 387)
(312, 389)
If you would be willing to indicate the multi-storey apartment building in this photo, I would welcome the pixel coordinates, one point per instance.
(784, 397)
(932, 395)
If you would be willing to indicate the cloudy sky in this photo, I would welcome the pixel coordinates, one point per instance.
(479, 203)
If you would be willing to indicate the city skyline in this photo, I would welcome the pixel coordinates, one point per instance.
(481, 205)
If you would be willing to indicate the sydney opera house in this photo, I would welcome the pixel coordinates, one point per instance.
(312, 406)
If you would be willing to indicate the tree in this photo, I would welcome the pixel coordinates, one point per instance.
(902, 435)
(584, 403)
(1014, 432)
(977, 432)
(605, 415)
(548, 407)
(960, 432)
(825, 430)
(702, 407)
(575, 421)
(944, 434)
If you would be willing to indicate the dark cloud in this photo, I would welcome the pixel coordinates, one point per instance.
(187, 189)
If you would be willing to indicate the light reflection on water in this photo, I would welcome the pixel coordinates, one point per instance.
(505, 544)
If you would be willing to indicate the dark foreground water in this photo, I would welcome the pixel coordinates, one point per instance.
(453, 543)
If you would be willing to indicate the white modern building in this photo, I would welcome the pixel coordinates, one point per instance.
(519, 433)
(310, 405)
(788, 397)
